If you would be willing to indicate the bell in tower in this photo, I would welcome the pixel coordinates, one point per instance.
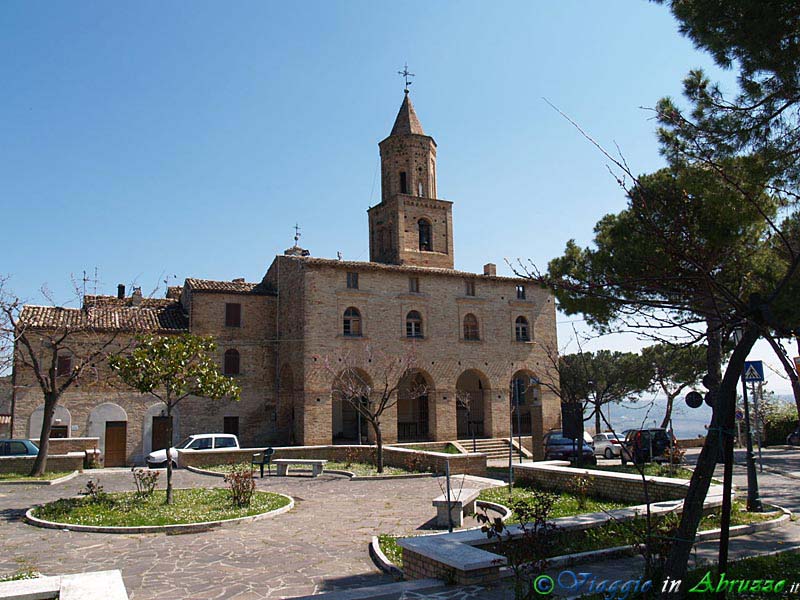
(410, 226)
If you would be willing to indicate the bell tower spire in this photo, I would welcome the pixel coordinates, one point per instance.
(410, 226)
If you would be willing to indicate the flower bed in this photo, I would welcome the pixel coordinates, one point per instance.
(200, 505)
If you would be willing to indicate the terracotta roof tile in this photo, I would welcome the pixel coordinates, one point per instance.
(160, 319)
(227, 287)
(97, 301)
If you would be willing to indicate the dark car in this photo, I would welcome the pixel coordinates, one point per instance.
(18, 448)
(558, 447)
(645, 445)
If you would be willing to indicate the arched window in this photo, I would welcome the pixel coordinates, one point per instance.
(471, 328)
(231, 366)
(425, 240)
(352, 322)
(523, 330)
(414, 324)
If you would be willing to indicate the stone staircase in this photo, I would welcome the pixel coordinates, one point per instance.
(494, 448)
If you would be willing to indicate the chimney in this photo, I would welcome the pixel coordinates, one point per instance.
(136, 297)
(121, 291)
(490, 270)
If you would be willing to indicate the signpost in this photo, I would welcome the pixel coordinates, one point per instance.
(753, 372)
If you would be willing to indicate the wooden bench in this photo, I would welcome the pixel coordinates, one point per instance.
(462, 502)
(283, 465)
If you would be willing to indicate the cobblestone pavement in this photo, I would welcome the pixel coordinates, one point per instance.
(320, 545)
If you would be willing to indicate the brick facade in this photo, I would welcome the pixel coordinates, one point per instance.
(294, 317)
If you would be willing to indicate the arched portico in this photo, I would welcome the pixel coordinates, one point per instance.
(413, 408)
(347, 424)
(472, 389)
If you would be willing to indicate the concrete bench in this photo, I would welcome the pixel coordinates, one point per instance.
(462, 502)
(283, 465)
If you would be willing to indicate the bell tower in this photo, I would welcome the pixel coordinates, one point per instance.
(410, 226)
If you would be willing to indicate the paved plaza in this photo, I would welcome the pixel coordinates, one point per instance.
(320, 545)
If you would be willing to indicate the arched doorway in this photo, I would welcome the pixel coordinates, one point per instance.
(109, 422)
(525, 390)
(348, 425)
(471, 388)
(61, 426)
(413, 412)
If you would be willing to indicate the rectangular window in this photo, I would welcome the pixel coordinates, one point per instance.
(233, 314)
(63, 366)
(230, 425)
(403, 183)
(520, 292)
(413, 284)
(470, 287)
(352, 281)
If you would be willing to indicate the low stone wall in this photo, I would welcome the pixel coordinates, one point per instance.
(72, 461)
(65, 445)
(622, 487)
(470, 464)
(692, 442)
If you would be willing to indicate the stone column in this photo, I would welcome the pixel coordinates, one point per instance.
(497, 413)
(442, 408)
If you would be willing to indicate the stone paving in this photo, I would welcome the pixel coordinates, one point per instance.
(321, 545)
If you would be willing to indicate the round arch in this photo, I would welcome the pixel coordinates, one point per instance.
(472, 389)
(524, 393)
(109, 420)
(413, 410)
(62, 422)
(347, 424)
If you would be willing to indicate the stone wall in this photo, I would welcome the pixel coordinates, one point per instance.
(66, 445)
(72, 461)
(692, 442)
(417, 566)
(471, 464)
(621, 487)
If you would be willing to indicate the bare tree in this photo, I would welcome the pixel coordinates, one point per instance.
(60, 348)
(369, 380)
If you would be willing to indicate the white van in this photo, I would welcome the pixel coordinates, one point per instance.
(201, 441)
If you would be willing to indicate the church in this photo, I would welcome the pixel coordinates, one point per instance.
(476, 335)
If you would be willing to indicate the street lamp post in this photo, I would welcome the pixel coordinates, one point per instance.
(753, 497)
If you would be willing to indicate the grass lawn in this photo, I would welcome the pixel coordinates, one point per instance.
(125, 510)
(448, 449)
(565, 506)
(650, 469)
(49, 476)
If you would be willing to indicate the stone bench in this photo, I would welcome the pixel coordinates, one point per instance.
(462, 502)
(283, 465)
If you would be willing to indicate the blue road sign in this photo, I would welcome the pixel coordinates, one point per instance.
(753, 370)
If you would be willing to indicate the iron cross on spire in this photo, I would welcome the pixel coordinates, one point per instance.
(296, 233)
(406, 75)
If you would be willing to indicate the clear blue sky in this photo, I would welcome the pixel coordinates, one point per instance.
(151, 139)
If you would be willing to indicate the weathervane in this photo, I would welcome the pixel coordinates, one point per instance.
(406, 75)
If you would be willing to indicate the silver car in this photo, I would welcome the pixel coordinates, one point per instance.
(607, 445)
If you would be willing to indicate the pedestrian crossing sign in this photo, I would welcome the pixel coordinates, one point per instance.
(753, 370)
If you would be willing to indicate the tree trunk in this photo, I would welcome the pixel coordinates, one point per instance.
(668, 413)
(788, 367)
(169, 454)
(677, 563)
(379, 441)
(40, 464)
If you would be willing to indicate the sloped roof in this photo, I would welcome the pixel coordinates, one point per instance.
(97, 301)
(227, 287)
(160, 319)
(407, 122)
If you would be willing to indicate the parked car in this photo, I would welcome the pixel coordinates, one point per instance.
(201, 441)
(558, 447)
(607, 444)
(793, 439)
(645, 445)
(18, 448)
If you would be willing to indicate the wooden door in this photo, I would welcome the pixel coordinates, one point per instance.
(116, 437)
(160, 438)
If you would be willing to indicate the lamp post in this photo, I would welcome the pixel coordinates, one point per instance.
(753, 497)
